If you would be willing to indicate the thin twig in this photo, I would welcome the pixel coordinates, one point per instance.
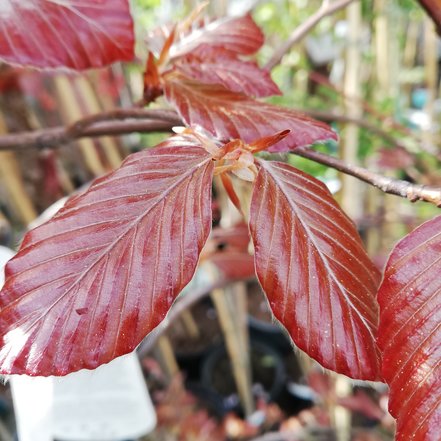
(413, 192)
(123, 121)
(114, 122)
(327, 8)
(384, 118)
(338, 117)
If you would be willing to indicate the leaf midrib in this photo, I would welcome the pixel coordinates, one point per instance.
(135, 222)
(282, 185)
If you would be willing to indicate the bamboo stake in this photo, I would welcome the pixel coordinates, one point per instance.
(431, 73)
(381, 46)
(411, 45)
(10, 175)
(5, 230)
(64, 178)
(167, 357)
(190, 325)
(351, 189)
(92, 105)
(72, 112)
(388, 87)
(231, 306)
(239, 356)
(351, 194)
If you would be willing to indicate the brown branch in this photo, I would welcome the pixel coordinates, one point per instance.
(328, 7)
(413, 192)
(124, 121)
(338, 117)
(114, 122)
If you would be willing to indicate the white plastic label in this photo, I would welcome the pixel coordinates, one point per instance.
(106, 404)
(110, 403)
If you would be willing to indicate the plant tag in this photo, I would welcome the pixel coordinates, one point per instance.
(110, 403)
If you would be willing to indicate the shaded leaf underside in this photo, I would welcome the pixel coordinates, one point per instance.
(88, 285)
(78, 34)
(410, 332)
(228, 115)
(311, 264)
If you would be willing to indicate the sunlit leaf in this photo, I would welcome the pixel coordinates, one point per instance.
(228, 115)
(311, 264)
(72, 33)
(409, 334)
(88, 285)
(240, 35)
(225, 69)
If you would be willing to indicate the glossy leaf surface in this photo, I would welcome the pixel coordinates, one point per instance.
(228, 115)
(78, 34)
(311, 264)
(88, 285)
(240, 35)
(410, 332)
(234, 74)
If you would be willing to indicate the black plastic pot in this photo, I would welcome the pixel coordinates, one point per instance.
(271, 334)
(208, 399)
(268, 373)
(263, 327)
(190, 353)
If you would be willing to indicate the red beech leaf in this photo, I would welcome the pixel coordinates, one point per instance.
(235, 238)
(362, 403)
(234, 264)
(234, 74)
(152, 83)
(228, 115)
(409, 334)
(311, 264)
(240, 35)
(231, 192)
(433, 8)
(88, 285)
(78, 34)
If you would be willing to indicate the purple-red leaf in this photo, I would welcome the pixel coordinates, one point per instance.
(225, 69)
(240, 35)
(88, 285)
(311, 264)
(409, 334)
(234, 264)
(78, 34)
(433, 8)
(228, 115)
